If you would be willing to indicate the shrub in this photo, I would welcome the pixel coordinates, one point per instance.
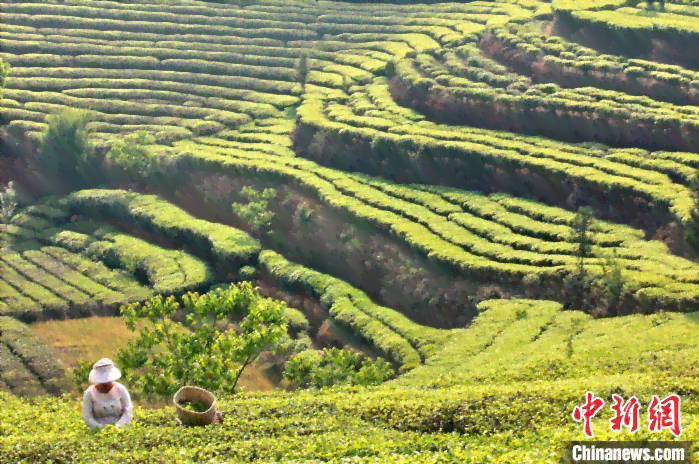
(4, 71)
(333, 366)
(81, 373)
(255, 212)
(8, 203)
(302, 70)
(612, 283)
(692, 230)
(247, 272)
(64, 151)
(130, 153)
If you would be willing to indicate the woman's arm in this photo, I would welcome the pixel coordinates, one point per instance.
(128, 408)
(87, 410)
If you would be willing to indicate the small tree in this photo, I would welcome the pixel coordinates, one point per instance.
(208, 350)
(64, 149)
(319, 143)
(255, 212)
(302, 70)
(8, 203)
(390, 68)
(692, 229)
(581, 232)
(613, 283)
(4, 72)
(521, 312)
(578, 284)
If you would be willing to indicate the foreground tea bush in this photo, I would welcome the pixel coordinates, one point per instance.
(335, 367)
(522, 423)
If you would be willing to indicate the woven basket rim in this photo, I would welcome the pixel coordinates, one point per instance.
(187, 388)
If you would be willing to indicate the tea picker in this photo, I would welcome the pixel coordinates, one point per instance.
(106, 401)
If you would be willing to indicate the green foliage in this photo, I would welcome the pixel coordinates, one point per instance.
(195, 405)
(81, 374)
(581, 232)
(208, 350)
(497, 347)
(165, 270)
(248, 272)
(659, 318)
(4, 72)
(333, 366)
(319, 143)
(26, 365)
(8, 203)
(255, 212)
(579, 284)
(483, 234)
(130, 153)
(165, 220)
(692, 229)
(297, 321)
(299, 369)
(305, 212)
(485, 423)
(44, 281)
(302, 70)
(65, 152)
(612, 282)
(390, 332)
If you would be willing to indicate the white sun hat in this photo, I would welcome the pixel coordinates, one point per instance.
(104, 371)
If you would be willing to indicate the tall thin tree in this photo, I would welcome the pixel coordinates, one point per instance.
(302, 70)
(581, 236)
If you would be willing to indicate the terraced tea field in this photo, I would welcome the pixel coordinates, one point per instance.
(426, 171)
(227, 68)
(434, 414)
(28, 368)
(51, 274)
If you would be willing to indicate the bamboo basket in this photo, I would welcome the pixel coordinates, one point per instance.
(193, 418)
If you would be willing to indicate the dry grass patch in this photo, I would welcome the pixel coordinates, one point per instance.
(90, 338)
(96, 337)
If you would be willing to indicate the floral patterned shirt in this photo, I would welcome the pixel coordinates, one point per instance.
(113, 407)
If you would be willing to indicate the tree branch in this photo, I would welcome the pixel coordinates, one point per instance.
(249, 360)
(245, 364)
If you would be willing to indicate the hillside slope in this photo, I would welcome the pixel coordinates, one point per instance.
(425, 178)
